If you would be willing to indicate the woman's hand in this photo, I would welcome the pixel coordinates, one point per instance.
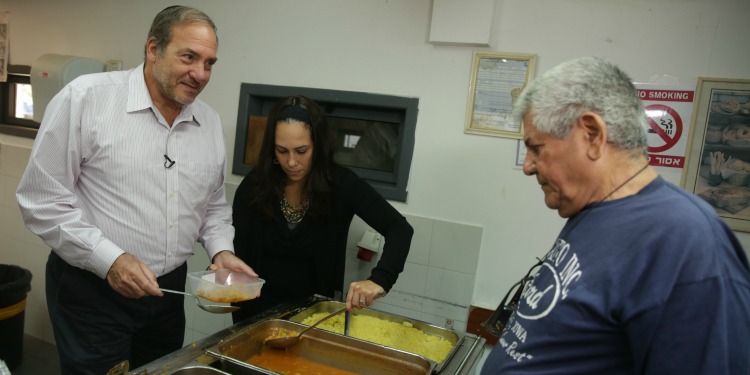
(363, 294)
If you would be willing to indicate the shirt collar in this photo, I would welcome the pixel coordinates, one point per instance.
(139, 98)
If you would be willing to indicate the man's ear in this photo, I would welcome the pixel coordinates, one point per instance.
(151, 49)
(594, 131)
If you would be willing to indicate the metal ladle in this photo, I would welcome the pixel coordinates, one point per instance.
(287, 341)
(216, 309)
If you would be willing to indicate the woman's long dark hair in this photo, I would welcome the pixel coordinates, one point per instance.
(270, 178)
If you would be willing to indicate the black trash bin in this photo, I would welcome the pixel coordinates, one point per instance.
(15, 283)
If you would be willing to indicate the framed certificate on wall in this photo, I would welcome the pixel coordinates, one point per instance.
(496, 80)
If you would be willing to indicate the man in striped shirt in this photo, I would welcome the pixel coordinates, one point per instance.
(126, 174)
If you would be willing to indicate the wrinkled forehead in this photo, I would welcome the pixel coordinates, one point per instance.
(530, 132)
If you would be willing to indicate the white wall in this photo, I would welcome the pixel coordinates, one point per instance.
(381, 46)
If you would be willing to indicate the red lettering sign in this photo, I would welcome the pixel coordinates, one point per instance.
(666, 95)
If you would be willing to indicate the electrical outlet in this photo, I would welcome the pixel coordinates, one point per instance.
(114, 65)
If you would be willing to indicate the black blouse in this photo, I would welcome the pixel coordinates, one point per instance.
(310, 258)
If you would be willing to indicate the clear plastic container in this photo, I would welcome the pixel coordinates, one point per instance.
(225, 285)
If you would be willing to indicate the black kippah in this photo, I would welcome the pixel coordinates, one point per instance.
(296, 113)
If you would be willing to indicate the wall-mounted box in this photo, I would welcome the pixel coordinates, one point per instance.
(51, 72)
(464, 22)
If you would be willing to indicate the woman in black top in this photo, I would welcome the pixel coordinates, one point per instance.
(292, 214)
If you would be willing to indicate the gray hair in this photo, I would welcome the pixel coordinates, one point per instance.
(161, 28)
(561, 95)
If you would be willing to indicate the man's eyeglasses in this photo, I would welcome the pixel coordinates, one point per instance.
(497, 321)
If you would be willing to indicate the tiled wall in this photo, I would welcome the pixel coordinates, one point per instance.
(438, 279)
(436, 285)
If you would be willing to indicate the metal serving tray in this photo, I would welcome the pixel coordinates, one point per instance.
(331, 306)
(323, 347)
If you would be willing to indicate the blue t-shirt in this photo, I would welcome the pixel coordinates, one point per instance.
(654, 283)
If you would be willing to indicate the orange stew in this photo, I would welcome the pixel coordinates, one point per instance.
(288, 363)
(225, 295)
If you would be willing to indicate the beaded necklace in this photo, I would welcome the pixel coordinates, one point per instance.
(294, 213)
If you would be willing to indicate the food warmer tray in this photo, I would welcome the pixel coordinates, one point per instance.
(322, 347)
(214, 354)
(331, 306)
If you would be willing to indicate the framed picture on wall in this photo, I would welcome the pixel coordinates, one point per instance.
(496, 80)
(718, 158)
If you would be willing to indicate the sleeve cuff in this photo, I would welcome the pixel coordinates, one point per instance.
(216, 247)
(102, 258)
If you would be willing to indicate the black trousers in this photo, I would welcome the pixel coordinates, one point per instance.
(96, 328)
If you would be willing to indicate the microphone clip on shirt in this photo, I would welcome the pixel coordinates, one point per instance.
(168, 163)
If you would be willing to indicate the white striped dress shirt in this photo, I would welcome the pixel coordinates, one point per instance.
(96, 184)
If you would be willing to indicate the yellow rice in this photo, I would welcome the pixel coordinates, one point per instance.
(400, 336)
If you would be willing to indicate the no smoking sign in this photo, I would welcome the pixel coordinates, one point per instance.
(666, 127)
(669, 111)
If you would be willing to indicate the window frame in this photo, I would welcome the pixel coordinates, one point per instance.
(9, 124)
(257, 99)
